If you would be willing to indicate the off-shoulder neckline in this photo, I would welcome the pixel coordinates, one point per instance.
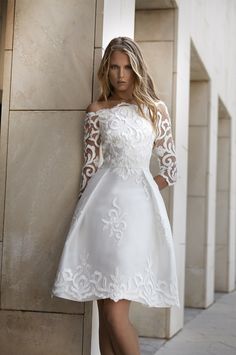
(116, 106)
(111, 108)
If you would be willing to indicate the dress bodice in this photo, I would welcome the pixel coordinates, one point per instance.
(126, 138)
(126, 141)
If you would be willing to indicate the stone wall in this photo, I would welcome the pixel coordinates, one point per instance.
(48, 79)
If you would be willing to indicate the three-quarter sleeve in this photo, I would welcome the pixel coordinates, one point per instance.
(164, 146)
(91, 149)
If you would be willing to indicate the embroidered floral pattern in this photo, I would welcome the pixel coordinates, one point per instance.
(125, 141)
(115, 223)
(84, 283)
(164, 145)
(91, 149)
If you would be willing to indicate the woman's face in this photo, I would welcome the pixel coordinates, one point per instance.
(121, 74)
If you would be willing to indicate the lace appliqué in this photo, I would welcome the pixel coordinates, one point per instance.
(164, 145)
(115, 223)
(91, 149)
(82, 283)
(127, 141)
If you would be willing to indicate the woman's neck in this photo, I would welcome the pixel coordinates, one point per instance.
(117, 97)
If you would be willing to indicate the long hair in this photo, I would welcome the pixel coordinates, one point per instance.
(144, 91)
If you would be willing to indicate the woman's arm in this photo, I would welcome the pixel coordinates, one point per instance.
(164, 148)
(91, 148)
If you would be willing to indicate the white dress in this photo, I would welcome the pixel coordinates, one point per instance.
(119, 244)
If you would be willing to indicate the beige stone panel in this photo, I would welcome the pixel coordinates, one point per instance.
(87, 327)
(4, 132)
(53, 54)
(154, 4)
(210, 285)
(210, 275)
(222, 217)
(3, 10)
(198, 106)
(9, 24)
(195, 287)
(196, 232)
(175, 44)
(221, 267)
(34, 333)
(149, 322)
(224, 127)
(99, 23)
(155, 25)
(176, 316)
(197, 161)
(223, 164)
(97, 60)
(159, 59)
(231, 276)
(210, 256)
(0, 264)
(43, 179)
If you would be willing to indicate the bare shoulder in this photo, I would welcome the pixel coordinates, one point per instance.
(95, 106)
(161, 106)
(160, 103)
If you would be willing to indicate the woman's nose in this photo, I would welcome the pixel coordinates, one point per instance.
(121, 73)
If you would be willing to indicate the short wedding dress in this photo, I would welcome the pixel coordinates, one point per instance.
(119, 244)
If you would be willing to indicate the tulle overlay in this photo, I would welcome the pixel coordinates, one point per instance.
(119, 244)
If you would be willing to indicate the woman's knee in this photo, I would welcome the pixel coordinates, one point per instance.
(115, 313)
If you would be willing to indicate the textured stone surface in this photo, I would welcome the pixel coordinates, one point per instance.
(4, 133)
(44, 162)
(196, 234)
(9, 24)
(195, 287)
(198, 160)
(204, 331)
(157, 25)
(0, 265)
(149, 322)
(198, 104)
(53, 54)
(33, 333)
(211, 332)
(160, 55)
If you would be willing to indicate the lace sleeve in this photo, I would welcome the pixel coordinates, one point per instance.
(164, 146)
(91, 149)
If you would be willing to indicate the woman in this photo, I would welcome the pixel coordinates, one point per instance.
(119, 247)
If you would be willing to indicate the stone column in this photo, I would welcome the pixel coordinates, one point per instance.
(225, 233)
(155, 32)
(196, 240)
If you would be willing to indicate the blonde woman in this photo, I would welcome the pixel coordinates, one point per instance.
(119, 246)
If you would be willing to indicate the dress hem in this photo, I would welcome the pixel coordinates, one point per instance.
(116, 299)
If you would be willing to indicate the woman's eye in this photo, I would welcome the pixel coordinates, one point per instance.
(113, 66)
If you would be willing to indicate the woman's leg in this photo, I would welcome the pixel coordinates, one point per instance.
(123, 335)
(105, 344)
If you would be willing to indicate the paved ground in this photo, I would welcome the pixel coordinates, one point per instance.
(206, 332)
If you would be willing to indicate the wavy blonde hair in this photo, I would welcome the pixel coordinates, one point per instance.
(144, 91)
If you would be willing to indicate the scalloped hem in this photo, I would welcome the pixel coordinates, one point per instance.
(116, 299)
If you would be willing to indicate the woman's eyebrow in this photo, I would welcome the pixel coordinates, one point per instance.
(119, 65)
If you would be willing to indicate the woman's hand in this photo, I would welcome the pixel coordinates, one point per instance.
(160, 181)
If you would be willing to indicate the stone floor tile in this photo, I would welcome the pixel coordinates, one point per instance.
(206, 332)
